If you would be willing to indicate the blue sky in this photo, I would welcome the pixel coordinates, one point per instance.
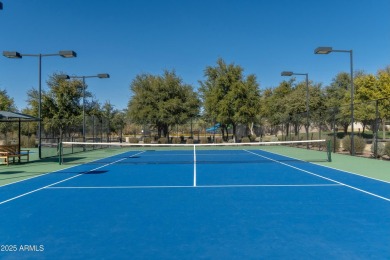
(128, 37)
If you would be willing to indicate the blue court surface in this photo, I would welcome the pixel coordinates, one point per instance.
(167, 205)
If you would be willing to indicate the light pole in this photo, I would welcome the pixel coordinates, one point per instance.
(289, 74)
(17, 55)
(327, 50)
(100, 76)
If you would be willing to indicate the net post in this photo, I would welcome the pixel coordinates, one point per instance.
(60, 153)
(328, 150)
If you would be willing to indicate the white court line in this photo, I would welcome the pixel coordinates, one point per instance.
(354, 173)
(40, 175)
(198, 186)
(327, 166)
(67, 179)
(194, 167)
(320, 176)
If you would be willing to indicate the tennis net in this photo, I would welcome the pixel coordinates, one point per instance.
(255, 152)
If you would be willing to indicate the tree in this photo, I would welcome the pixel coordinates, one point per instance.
(317, 105)
(29, 129)
(366, 92)
(162, 101)
(228, 97)
(108, 113)
(119, 123)
(296, 106)
(383, 80)
(95, 119)
(6, 103)
(247, 101)
(336, 100)
(274, 106)
(383, 88)
(62, 106)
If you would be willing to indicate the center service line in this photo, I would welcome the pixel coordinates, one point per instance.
(194, 166)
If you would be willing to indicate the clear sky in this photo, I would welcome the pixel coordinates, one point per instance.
(128, 37)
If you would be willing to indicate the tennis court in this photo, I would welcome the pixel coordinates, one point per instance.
(196, 203)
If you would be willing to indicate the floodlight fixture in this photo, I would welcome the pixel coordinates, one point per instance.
(103, 76)
(63, 76)
(287, 73)
(12, 54)
(68, 54)
(323, 50)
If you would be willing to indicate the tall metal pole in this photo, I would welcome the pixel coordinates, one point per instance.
(376, 129)
(307, 108)
(102, 76)
(64, 54)
(40, 106)
(307, 98)
(83, 108)
(334, 130)
(352, 108)
(327, 50)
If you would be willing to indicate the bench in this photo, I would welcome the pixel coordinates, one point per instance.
(12, 151)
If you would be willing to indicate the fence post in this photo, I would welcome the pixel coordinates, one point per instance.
(334, 131)
(376, 130)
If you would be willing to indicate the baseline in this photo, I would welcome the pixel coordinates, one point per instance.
(188, 186)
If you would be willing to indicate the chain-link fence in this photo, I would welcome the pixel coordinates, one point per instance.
(96, 130)
(368, 136)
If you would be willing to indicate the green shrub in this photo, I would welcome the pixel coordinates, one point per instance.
(27, 142)
(204, 140)
(266, 138)
(271, 138)
(387, 149)
(292, 137)
(245, 140)
(147, 140)
(359, 142)
(218, 140)
(346, 141)
(133, 140)
(176, 140)
(380, 149)
(163, 140)
(190, 141)
(252, 137)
